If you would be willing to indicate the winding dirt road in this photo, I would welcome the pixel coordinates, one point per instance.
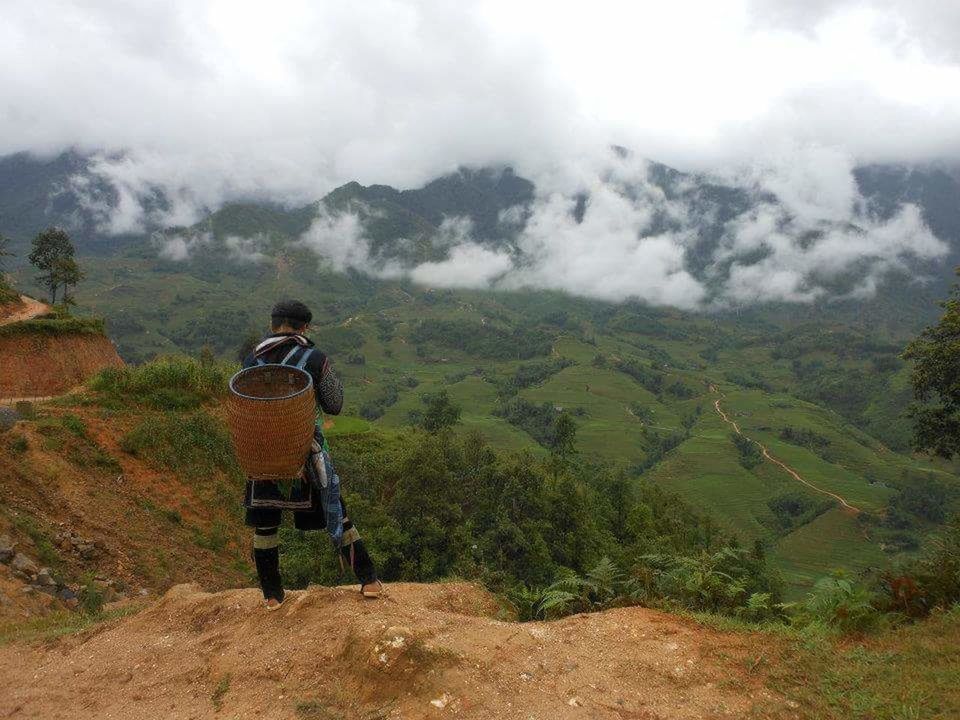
(31, 309)
(786, 468)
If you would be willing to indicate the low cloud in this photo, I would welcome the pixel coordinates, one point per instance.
(468, 266)
(616, 234)
(183, 246)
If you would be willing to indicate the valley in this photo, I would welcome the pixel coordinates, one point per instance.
(820, 385)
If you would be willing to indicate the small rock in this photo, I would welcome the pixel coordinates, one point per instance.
(442, 701)
(144, 592)
(27, 589)
(87, 551)
(45, 579)
(23, 565)
(66, 594)
(8, 417)
(575, 702)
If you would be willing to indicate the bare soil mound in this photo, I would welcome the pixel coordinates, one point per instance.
(40, 365)
(422, 651)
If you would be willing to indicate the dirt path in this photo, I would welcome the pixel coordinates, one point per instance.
(422, 651)
(786, 468)
(31, 309)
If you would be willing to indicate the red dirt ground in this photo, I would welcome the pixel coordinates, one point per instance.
(422, 651)
(41, 365)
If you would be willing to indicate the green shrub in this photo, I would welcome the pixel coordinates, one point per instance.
(726, 580)
(839, 602)
(39, 535)
(18, 444)
(25, 409)
(75, 425)
(749, 451)
(928, 582)
(91, 597)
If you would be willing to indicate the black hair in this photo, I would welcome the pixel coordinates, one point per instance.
(292, 313)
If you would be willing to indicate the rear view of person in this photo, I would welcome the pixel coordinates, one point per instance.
(314, 497)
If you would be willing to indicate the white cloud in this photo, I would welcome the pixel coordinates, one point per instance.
(245, 249)
(468, 265)
(339, 239)
(180, 247)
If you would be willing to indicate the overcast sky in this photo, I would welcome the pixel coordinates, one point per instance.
(218, 99)
(295, 96)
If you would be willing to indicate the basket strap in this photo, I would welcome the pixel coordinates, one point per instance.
(303, 358)
(290, 355)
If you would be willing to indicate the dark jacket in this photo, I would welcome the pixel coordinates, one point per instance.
(326, 384)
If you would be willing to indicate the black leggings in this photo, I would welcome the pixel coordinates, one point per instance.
(266, 555)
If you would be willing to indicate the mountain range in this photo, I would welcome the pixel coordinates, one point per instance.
(403, 226)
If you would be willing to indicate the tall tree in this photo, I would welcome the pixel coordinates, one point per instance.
(936, 382)
(50, 248)
(67, 273)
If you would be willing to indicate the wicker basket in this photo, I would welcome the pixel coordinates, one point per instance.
(272, 412)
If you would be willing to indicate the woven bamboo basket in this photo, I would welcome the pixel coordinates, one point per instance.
(271, 411)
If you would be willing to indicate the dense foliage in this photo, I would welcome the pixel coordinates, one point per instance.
(538, 421)
(651, 379)
(484, 340)
(936, 383)
(534, 373)
(440, 505)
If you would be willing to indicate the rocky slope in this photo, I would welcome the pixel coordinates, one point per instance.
(75, 510)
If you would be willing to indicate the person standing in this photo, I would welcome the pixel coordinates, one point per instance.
(314, 497)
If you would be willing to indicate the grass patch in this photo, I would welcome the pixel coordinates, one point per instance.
(195, 444)
(75, 425)
(54, 326)
(8, 295)
(57, 624)
(219, 692)
(215, 539)
(170, 383)
(901, 674)
(168, 514)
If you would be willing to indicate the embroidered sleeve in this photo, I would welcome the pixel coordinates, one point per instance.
(330, 391)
